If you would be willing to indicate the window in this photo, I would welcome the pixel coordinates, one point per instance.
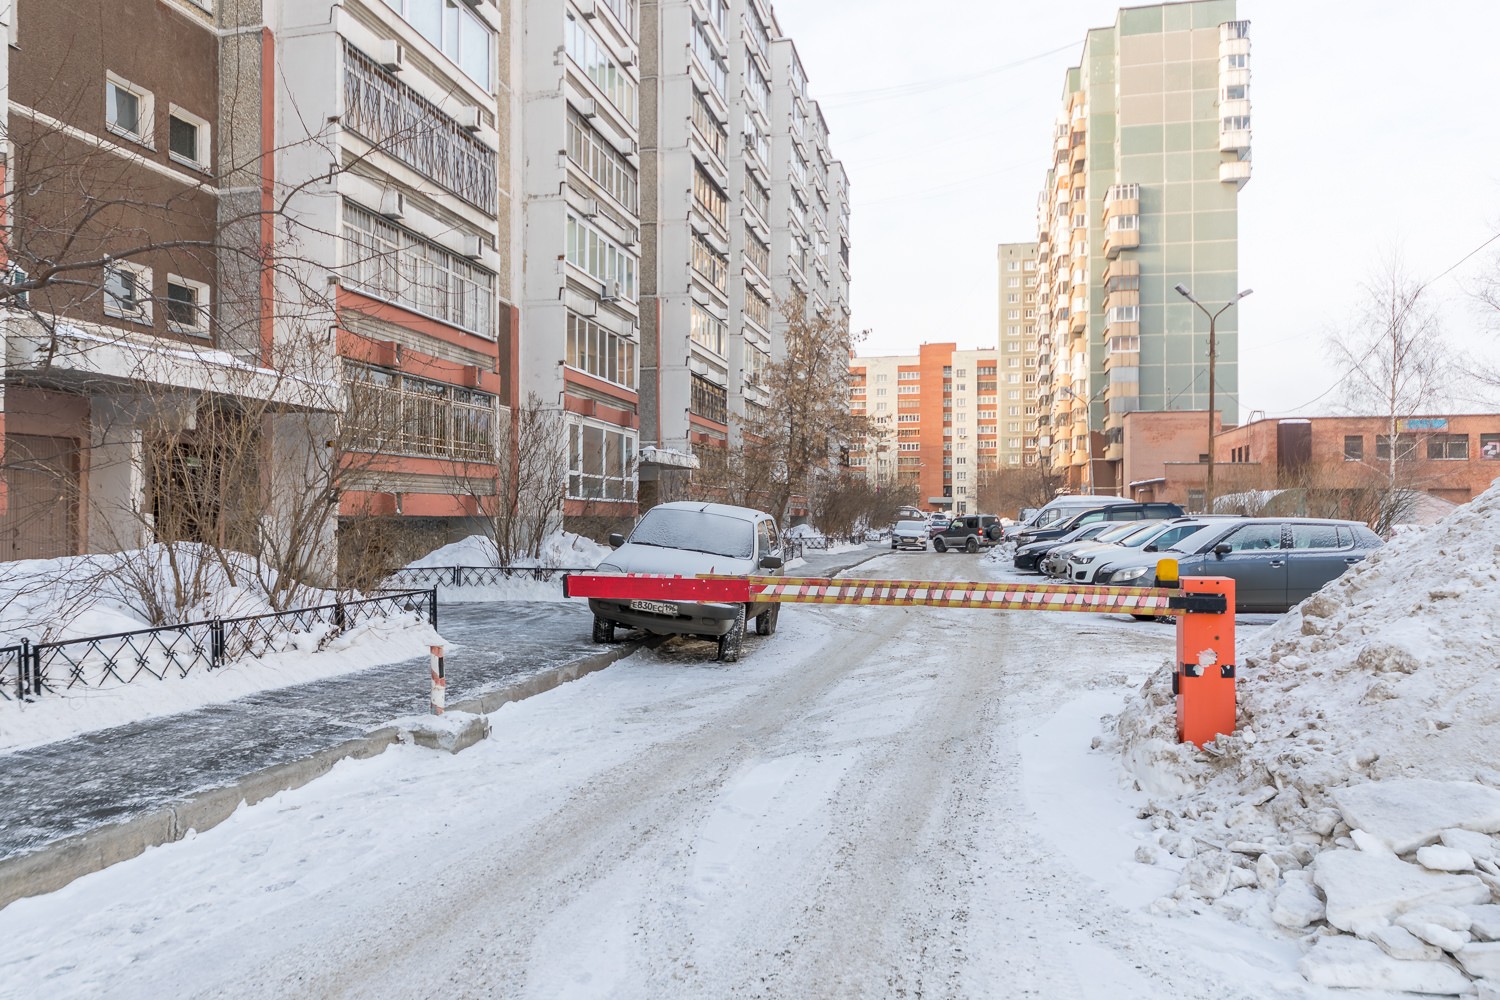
(707, 330)
(1235, 92)
(1454, 447)
(458, 32)
(709, 400)
(1354, 447)
(128, 110)
(601, 463)
(595, 62)
(600, 351)
(187, 305)
(187, 138)
(1406, 448)
(709, 197)
(604, 164)
(1237, 61)
(1234, 123)
(1489, 446)
(1253, 537)
(390, 263)
(602, 258)
(1315, 536)
(127, 292)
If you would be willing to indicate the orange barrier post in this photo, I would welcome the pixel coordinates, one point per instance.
(1205, 677)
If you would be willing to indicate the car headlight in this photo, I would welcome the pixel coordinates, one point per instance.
(1126, 575)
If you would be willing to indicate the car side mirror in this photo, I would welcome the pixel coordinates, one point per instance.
(616, 539)
(1223, 549)
(770, 562)
(1152, 548)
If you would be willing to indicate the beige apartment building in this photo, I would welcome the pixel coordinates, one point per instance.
(1149, 151)
(1017, 355)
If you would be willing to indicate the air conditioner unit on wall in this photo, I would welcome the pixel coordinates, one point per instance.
(587, 108)
(392, 203)
(590, 208)
(611, 292)
(471, 245)
(390, 54)
(468, 118)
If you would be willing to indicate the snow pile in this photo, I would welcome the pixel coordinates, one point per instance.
(560, 548)
(1358, 795)
(52, 599)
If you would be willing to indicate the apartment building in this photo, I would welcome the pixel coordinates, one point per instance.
(389, 133)
(581, 242)
(1018, 358)
(744, 208)
(1150, 149)
(118, 325)
(937, 421)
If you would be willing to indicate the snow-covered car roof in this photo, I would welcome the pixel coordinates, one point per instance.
(722, 509)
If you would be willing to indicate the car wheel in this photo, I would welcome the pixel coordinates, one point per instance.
(729, 642)
(604, 632)
(971, 546)
(940, 545)
(894, 547)
(765, 622)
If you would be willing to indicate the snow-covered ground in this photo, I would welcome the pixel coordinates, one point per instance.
(875, 802)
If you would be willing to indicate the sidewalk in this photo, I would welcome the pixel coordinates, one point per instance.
(59, 790)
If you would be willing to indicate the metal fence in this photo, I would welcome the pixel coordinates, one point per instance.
(477, 576)
(122, 657)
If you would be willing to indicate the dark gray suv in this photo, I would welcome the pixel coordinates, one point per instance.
(1275, 562)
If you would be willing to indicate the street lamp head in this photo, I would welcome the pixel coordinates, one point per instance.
(1243, 294)
(1182, 290)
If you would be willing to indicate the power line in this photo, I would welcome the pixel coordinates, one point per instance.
(872, 95)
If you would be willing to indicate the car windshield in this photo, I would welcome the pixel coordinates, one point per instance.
(696, 531)
(1119, 532)
(911, 526)
(1141, 533)
(1192, 543)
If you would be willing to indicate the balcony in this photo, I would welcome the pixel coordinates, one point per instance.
(1120, 239)
(1235, 172)
(1234, 140)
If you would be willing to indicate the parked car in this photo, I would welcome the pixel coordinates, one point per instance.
(936, 523)
(1055, 562)
(1030, 554)
(970, 532)
(1275, 562)
(1105, 512)
(1088, 564)
(687, 538)
(909, 535)
(1066, 506)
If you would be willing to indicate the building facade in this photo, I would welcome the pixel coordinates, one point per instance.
(937, 420)
(1018, 362)
(1452, 457)
(1149, 151)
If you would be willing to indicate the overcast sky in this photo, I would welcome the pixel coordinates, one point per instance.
(1374, 131)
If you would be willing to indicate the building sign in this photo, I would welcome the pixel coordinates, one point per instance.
(1424, 424)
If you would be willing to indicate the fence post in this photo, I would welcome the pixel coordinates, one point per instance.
(338, 614)
(22, 669)
(458, 577)
(36, 671)
(432, 617)
(215, 643)
(439, 682)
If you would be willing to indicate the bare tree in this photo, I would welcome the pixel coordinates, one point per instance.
(1008, 491)
(798, 434)
(1398, 367)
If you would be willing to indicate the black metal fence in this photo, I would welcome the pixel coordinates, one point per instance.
(477, 576)
(33, 668)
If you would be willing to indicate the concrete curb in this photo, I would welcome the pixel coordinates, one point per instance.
(54, 865)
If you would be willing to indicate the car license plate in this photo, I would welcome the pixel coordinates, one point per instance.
(655, 607)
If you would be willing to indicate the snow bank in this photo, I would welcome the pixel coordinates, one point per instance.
(51, 599)
(1368, 725)
(561, 549)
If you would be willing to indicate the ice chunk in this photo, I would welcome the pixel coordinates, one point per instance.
(1441, 937)
(1354, 964)
(1444, 859)
(1369, 842)
(1398, 942)
(1478, 846)
(1450, 917)
(1365, 889)
(1407, 813)
(1486, 921)
(1208, 875)
(1297, 906)
(1482, 960)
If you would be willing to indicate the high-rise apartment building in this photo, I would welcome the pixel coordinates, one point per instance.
(936, 416)
(1018, 360)
(1150, 149)
(743, 207)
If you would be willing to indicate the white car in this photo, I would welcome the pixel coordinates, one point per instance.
(909, 535)
(687, 538)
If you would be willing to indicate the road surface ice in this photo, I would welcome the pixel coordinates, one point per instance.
(874, 802)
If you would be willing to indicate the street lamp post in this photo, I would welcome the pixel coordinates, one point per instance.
(1088, 429)
(1208, 485)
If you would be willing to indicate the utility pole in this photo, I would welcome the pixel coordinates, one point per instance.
(1208, 483)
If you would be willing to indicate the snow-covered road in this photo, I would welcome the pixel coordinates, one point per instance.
(875, 802)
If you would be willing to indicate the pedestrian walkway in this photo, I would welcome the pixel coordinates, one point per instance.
(60, 789)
